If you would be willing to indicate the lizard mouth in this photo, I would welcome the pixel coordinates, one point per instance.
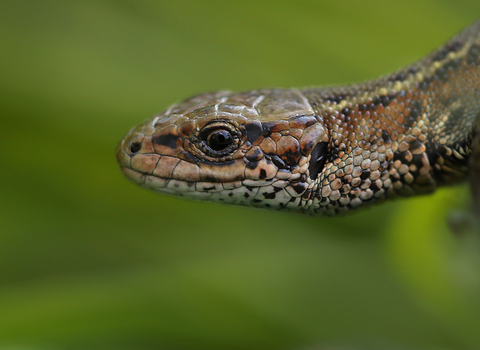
(158, 183)
(233, 192)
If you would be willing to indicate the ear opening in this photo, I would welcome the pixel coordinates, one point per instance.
(314, 142)
(318, 158)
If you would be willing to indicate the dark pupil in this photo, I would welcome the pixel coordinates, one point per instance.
(219, 140)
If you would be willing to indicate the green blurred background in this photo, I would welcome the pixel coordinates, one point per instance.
(90, 261)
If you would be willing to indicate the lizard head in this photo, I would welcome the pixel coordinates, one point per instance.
(263, 148)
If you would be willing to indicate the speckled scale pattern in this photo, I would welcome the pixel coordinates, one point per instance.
(319, 150)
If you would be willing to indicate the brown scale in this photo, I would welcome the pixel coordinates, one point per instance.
(324, 150)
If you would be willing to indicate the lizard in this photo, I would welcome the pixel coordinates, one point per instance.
(325, 150)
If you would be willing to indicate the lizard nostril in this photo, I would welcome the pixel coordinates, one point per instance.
(135, 147)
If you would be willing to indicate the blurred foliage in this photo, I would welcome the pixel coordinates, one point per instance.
(88, 260)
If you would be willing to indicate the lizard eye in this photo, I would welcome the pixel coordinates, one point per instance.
(219, 139)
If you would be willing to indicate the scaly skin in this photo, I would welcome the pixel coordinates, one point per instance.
(323, 150)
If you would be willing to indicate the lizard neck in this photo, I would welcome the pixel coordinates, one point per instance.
(408, 132)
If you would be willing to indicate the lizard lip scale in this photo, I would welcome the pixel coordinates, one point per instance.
(318, 150)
